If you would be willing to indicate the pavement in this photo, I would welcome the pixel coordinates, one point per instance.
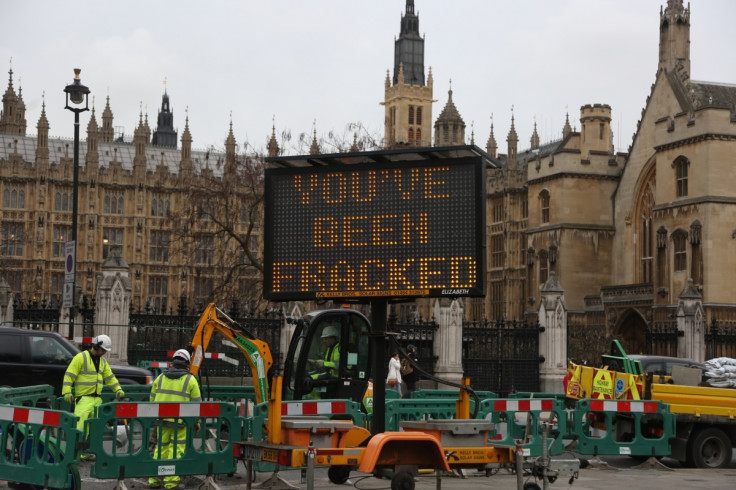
(601, 474)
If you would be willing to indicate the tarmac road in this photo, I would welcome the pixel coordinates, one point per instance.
(609, 473)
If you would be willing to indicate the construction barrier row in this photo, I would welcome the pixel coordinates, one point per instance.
(126, 436)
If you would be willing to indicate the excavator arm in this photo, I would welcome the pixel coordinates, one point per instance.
(256, 352)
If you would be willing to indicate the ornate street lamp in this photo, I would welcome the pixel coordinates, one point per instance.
(77, 94)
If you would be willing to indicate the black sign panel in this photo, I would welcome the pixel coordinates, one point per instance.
(401, 229)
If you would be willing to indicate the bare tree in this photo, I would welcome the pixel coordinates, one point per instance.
(219, 229)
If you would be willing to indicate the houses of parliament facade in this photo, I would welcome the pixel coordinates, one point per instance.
(627, 236)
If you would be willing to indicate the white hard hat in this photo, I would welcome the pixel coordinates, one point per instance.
(182, 354)
(103, 341)
(329, 331)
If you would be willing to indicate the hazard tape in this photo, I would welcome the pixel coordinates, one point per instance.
(83, 340)
(125, 410)
(215, 355)
(161, 364)
(313, 408)
(522, 405)
(30, 416)
(623, 406)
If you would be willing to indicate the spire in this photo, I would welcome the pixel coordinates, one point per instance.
(535, 136)
(472, 132)
(354, 147)
(409, 49)
(566, 129)
(42, 149)
(93, 156)
(273, 145)
(185, 166)
(491, 145)
(107, 132)
(230, 149)
(513, 143)
(314, 148)
(13, 114)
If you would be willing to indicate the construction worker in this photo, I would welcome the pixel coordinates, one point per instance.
(327, 366)
(87, 372)
(176, 384)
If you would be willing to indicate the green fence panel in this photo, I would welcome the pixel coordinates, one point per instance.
(521, 422)
(120, 435)
(40, 447)
(29, 396)
(615, 427)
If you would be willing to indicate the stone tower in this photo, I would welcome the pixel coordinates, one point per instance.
(165, 135)
(408, 100)
(674, 38)
(449, 129)
(13, 115)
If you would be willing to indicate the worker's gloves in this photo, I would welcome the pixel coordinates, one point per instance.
(119, 394)
(197, 426)
(69, 398)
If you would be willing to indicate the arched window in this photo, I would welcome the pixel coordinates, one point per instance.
(411, 136)
(107, 204)
(21, 199)
(120, 205)
(411, 114)
(6, 198)
(544, 204)
(153, 207)
(65, 202)
(419, 136)
(57, 201)
(679, 240)
(681, 165)
(419, 116)
(14, 199)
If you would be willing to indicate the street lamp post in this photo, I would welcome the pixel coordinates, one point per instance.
(78, 94)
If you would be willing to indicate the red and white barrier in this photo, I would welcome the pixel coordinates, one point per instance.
(313, 408)
(522, 405)
(30, 416)
(623, 406)
(126, 410)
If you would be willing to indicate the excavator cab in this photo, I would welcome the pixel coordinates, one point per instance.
(329, 357)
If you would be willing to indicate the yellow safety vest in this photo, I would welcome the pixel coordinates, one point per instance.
(87, 380)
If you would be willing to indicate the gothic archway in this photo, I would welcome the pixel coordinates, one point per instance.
(631, 331)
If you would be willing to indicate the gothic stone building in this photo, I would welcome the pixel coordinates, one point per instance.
(128, 190)
(629, 236)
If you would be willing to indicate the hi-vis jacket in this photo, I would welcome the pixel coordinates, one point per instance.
(86, 380)
(175, 385)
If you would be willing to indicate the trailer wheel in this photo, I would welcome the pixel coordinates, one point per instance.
(710, 448)
(338, 474)
(402, 481)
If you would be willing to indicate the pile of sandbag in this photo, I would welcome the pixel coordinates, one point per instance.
(721, 372)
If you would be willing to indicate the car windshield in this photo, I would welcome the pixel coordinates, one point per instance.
(48, 350)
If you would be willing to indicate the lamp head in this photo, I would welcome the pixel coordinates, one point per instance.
(76, 92)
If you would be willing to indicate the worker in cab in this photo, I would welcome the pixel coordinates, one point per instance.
(87, 373)
(327, 367)
(176, 384)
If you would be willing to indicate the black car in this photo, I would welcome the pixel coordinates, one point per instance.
(662, 365)
(37, 357)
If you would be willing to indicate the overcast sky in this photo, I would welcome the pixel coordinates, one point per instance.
(304, 60)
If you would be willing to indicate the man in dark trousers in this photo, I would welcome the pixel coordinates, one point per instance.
(176, 384)
(408, 373)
